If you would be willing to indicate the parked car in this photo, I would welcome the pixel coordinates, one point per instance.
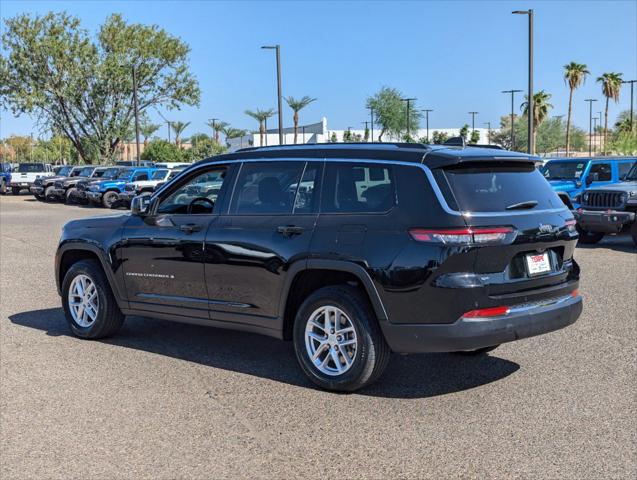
(108, 173)
(570, 177)
(26, 173)
(65, 190)
(609, 210)
(106, 192)
(133, 163)
(132, 189)
(172, 165)
(42, 188)
(5, 176)
(450, 249)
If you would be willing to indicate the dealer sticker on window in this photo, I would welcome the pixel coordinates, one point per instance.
(538, 263)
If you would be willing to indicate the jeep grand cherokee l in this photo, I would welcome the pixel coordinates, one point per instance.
(350, 251)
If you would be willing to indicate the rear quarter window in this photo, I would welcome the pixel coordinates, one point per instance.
(492, 187)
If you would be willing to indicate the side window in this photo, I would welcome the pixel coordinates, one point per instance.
(623, 169)
(198, 195)
(266, 188)
(602, 170)
(140, 176)
(358, 187)
(308, 190)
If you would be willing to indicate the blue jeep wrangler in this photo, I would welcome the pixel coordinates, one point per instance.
(5, 177)
(106, 192)
(570, 177)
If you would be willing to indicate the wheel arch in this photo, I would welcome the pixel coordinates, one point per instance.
(566, 199)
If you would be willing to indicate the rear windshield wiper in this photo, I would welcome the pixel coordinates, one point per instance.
(522, 205)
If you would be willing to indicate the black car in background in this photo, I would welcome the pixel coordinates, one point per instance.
(107, 173)
(351, 251)
(42, 187)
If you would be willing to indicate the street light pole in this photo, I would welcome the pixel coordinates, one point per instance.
(136, 114)
(366, 126)
(371, 113)
(214, 124)
(531, 109)
(590, 125)
(632, 84)
(408, 100)
(473, 121)
(488, 124)
(427, 110)
(512, 92)
(278, 84)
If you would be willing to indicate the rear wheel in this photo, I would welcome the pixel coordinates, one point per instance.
(589, 238)
(109, 199)
(3, 186)
(15, 190)
(337, 340)
(48, 194)
(70, 195)
(90, 307)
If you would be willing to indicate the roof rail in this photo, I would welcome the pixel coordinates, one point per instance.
(455, 142)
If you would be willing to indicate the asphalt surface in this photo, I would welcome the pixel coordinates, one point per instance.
(167, 400)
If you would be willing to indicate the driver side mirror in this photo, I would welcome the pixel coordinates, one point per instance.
(593, 177)
(139, 204)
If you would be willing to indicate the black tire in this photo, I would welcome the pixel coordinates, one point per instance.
(69, 196)
(589, 238)
(633, 232)
(109, 199)
(3, 186)
(15, 190)
(109, 317)
(479, 351)
(48, 194)
(372, 352)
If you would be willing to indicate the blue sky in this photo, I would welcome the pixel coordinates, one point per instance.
(454, 56)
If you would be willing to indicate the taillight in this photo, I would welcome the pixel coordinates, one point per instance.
(478, 235)
(487, 312)
(570, 226)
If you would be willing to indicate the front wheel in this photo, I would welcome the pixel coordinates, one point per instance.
(589, 238)
(90, 307)
(15, 190)
(70, 196)
(109, 199)
(337, 340)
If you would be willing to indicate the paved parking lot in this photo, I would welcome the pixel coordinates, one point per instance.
(164, 400)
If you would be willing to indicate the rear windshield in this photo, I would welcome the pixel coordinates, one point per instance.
(492, 187)
(563, 170)
(31, 167)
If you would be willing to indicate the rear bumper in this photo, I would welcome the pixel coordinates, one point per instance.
(609, 221)
(526, 320)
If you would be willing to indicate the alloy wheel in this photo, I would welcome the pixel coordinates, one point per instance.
(83, 300)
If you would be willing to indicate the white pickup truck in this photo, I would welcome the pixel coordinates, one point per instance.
(24, 176)
(132, 189)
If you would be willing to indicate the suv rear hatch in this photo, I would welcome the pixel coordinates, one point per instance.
(523, 235)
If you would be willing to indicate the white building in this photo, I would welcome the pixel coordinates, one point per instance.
(319, 133)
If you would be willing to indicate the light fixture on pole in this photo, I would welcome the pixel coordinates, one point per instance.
(278, 84)
(530, 100)
(512, 92)
(473, 121)
(136, 114)
(408, 100)
(590, 124)
(632, 83)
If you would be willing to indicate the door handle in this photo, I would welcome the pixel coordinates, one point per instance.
(190, 227)
(289, 230)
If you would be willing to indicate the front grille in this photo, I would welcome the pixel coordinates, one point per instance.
(603, 199)
(38, 182)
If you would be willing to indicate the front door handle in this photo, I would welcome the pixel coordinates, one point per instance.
(190, 227)
(289, 230)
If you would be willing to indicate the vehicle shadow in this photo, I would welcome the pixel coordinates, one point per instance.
(412, 376)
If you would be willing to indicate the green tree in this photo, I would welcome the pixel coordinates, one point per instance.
(81, 85)
(217, 126)
(260, 116)
(611, 87)
(541, 108)
(162, 151)
(464, 131)
(475, 137)
(147, 128)
(297, 105)
(574, 76)
(439, 137)
(624, 143)
(391, 113)
(21, 146)
(203, 148)
(333, 138)
(178, 128)
(366, 134)
(622, 124)
(199, 137)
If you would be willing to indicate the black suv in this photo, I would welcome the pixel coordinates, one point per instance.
(351, 251)
(610, 209)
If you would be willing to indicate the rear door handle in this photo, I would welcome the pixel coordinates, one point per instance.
(289, 230)
(190, 227)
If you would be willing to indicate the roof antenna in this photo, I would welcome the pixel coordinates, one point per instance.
(455, 142)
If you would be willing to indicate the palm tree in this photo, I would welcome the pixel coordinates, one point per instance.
(178, 128)
(217, 126)
(611, 86)
(296, 106)
(260, 116)
(574, 75)
(541, 108)
(147, 129)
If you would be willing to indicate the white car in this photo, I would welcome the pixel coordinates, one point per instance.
(25, 175)
(133, 189)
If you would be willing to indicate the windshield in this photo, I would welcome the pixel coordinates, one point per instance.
(492, 187)
(632, 174)
(159, 175)
(31, 168)
(86, 172)
(563, 170)
(124, 174)
(64, 171)
(174, 173)
(110, 173)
